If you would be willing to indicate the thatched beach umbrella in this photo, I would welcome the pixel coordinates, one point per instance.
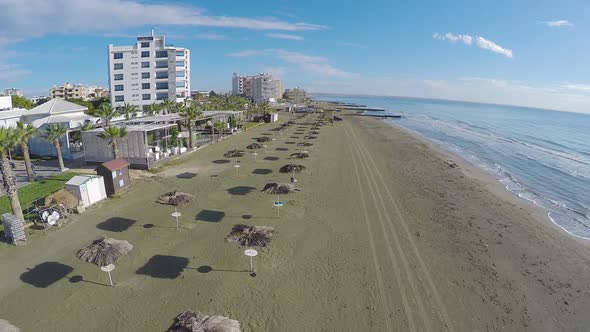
(5, 326)
(234, 153)
(190, 321)
(104, 251)
(262, 139)
(254, 146)
(175, 198)
(304, 144)
(277, 188)
(299, 155)
(314, 132)
(251, 236)
(292, 168)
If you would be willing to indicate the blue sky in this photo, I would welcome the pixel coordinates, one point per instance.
(532, 53)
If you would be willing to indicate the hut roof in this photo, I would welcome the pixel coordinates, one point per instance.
(253, 236)
(175, 198)
(115, 164)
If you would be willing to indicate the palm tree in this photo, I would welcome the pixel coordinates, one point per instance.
(219, 125)
(87, 126)
(190, 113)
(167, 105)
(8, 140)
(106, 112)
(24, 133)
(151, 109)
(112, 134)
(128, 111)
(53, 133)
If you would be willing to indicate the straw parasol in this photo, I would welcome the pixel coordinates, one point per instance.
(304, 144)
(277, 188)
(254, 146)
(104, 251)
(190, 321)
(175, 198)
(5, 326)
(300, 155)
(292, 168)
(252, 236)
(314, 132)
(262, 139)
(234, 153)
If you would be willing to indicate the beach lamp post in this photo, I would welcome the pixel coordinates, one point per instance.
(255, 154)
(176, 215)
(278, 205)
(108, 269)
(251, 253)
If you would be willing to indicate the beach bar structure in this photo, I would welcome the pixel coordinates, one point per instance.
(145, 144)
(115, 174)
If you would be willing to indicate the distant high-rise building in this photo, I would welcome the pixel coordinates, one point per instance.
(12, 92)
(148, 72)
(295, 95)
(78, 91)
(261, 87)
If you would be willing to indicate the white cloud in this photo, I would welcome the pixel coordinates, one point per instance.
(278, 72)
(480, 42)
(491, 46)
(558, 24)
(466, 39)
(12, 72)
(284, 36)
(578, 87)
(312, 64)
(355, 45)
(34, 18)
(211, 36)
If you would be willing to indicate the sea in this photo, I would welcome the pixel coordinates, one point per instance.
(540, 155)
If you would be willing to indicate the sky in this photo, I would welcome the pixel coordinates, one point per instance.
(519, 52)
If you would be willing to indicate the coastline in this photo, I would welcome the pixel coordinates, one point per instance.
(493, 184)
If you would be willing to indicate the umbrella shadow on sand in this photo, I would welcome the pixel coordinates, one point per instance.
(116, 224)
(207, 269)
(78, 278)
(164, 267)
(46, 274)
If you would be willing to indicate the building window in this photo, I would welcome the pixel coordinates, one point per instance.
(162, 86)
(118, 66)
(161, 96)
(161, 54)
(134, 84)
(145, 54)
(179, 53)
(119, 98)
(118, 55)
(180, 84)
(145, 44)
(118, 77)
(145, 75)
(179, 63)
(145, 85)
(145, 64)
(179, 74)
(146, 96)
(119, 87)
(161, 74)
(161, 64)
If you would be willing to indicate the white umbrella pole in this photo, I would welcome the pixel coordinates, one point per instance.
(110, 278)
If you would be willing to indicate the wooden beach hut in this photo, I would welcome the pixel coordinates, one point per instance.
(116, 175)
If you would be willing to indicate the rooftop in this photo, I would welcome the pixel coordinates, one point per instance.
(115, 164)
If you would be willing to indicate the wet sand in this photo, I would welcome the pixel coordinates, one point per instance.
(383, 235)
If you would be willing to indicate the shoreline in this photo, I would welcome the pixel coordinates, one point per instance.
(492, 183)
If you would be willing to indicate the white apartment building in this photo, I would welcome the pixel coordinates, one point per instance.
(148, 72)
(12, 92)
(259, 88)
(77, 91)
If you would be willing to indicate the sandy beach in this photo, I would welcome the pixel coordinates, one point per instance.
(383, 236)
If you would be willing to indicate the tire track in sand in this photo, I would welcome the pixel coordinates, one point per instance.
(426, 272)
(378, 272)
(382, 211)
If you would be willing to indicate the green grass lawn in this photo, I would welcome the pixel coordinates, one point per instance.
(248, 125)
(35, 190)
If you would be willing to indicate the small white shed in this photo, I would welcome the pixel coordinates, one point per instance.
(88, 189)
